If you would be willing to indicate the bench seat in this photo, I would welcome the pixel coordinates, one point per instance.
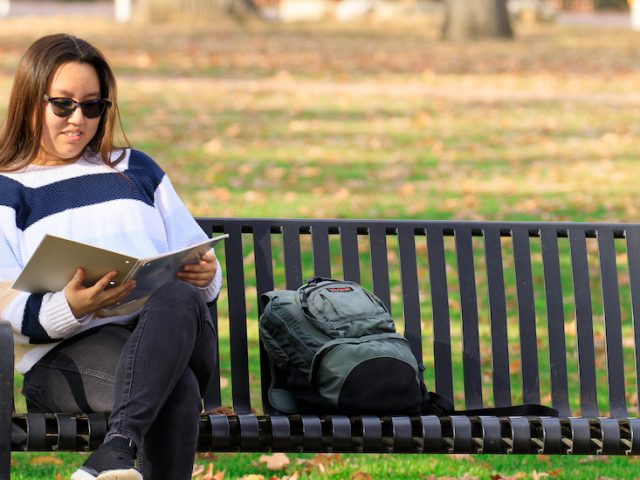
(499, 313)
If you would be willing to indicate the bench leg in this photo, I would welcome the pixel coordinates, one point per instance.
(6, 396)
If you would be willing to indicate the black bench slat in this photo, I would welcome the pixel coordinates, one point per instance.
(584, 322)
(518, 431)
(410, 291)
(431, 434)
(67, 432)
(292, 255)
(609, 436)
(584, 432)
(96, 429)
(280, 433)
(380, 263)
(526, 316)
(633, 260)
(498, 318)
(580, 434)
(212, 396)
(249, 433)
(311, 433)
(340, 434)
(461, 435)
(491, 435)
(441, 317)
(220, 433)
(350, 255)
(263, 258)
(371, 432)
(237, 320)
(551, 436)
(612, 323)
(321, 251)
(36, 432)
(555, 320)
(402, 434)
(469, 306)
(633, 426)
(6, 397)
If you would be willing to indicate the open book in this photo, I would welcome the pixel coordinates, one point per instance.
(56, 260)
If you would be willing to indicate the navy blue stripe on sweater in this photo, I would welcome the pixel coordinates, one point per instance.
(139, 182)
(31, 326)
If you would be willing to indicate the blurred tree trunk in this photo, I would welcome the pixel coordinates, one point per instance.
(166, 10)
(469, 19)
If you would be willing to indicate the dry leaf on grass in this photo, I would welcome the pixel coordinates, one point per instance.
(295, 476)
(594, 459)
(277, 461)
(212, 456)
(360, 476)
(45, 460)
(228, 411)
(197, 470)
(211, 476)
(465, 477)
(516, 476)
(252, 476)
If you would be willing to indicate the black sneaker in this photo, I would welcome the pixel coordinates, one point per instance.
(113, 460)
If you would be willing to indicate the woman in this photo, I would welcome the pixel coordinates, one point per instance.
(61, 174)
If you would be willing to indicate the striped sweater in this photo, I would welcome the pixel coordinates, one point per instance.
(132, 209)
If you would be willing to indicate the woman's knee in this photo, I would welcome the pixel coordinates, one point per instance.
(179, 290)
(178, 294)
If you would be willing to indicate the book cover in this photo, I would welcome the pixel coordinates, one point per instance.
(56, 260)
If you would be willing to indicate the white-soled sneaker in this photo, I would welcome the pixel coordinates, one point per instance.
(113, 460)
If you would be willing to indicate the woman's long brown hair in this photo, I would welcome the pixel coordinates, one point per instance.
(20, 136)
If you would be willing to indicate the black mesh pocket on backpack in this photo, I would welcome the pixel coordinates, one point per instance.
(382, 386)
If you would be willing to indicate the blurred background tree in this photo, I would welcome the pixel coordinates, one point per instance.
(468, 19)
(165, 10)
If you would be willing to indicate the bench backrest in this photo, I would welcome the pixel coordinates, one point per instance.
(499, 313)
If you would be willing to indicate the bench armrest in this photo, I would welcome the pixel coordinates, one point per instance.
(6, 363)
(6, 395)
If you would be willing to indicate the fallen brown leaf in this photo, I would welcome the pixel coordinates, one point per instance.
(207, 456)
(517, 476)
(594, 459)
(219, 475)
(228, 411)
(360, 476)
(209, 474)
(45, 460)
(277, 461)
(197, 470)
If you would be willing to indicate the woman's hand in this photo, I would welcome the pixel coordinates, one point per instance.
(85, 300)
(200, 274)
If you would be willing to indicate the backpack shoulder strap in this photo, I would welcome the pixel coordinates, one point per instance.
(435, 404)
(525, 410)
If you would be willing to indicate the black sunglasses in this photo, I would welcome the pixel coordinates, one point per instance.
(64, 107)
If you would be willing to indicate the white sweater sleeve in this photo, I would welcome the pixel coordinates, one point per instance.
(182, 229)
(35, 318)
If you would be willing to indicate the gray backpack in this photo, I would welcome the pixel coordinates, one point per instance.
(333, 348)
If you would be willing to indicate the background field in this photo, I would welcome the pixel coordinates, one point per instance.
(375, 120)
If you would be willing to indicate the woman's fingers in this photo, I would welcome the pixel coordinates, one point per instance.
(201, 273)
(103, 293)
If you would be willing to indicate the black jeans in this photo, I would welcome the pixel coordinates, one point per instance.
(150, 376)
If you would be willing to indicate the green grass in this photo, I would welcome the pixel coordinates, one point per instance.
(384, 121)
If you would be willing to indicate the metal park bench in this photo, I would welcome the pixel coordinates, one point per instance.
(499, 313)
